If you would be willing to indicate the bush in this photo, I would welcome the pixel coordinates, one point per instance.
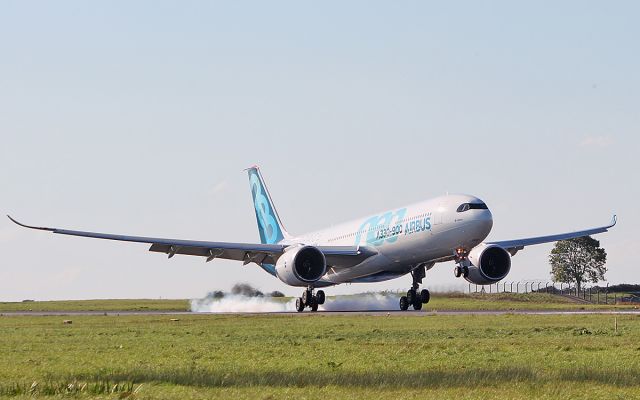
(244, 289)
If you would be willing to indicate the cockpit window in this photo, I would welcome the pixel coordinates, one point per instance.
(472, 206)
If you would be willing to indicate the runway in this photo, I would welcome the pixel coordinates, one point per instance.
(373, 313)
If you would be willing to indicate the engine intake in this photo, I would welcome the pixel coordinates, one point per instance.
(489, 264)
(301, 266)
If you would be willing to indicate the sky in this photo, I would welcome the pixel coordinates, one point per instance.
(139, 117)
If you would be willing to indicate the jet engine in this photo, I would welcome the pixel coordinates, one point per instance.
(489, 264)
(301, 266)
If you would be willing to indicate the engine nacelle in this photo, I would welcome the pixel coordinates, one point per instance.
(489, 264)
(301, 266)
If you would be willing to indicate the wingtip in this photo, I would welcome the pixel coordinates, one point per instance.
(614, 220)
(28, 226)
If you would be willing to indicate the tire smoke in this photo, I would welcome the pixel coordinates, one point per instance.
(246, 299)
(243, 298)
(233, 303)
(362, 302)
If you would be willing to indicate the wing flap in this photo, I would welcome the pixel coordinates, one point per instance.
(238, 254)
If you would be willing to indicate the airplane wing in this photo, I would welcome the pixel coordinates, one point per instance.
(513, 246)
(338, 256)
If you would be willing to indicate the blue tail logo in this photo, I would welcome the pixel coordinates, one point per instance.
(269, 225)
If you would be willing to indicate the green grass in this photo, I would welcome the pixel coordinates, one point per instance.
(97, 305)
(511, 301)
(322, 356)
(439, 302)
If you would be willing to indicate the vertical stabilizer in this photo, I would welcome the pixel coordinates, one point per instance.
(269, 224)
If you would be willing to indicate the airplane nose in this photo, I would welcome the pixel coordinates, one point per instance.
(486, 220)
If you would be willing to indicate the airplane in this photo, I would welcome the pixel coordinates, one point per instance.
(376, 248)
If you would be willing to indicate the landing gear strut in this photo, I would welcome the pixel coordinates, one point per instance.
(310, 300)
(413, 297)
(461, 257)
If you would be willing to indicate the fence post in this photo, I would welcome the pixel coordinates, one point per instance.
(518, 287)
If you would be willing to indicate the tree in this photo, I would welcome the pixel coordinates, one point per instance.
(578, 260)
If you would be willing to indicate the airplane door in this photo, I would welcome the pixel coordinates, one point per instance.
(438, 215)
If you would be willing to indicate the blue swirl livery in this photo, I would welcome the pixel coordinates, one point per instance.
(269, 224)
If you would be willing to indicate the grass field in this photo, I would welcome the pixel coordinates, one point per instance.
(97, 305)
(439, 302)
(511, 301)
(322, 356)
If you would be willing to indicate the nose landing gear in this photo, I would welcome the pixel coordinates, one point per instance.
(460, 270)
(310, 300)
(462, 263)
(413, 297)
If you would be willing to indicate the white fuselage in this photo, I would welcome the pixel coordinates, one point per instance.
(405, 238)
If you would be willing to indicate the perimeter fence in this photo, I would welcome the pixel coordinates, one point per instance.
(591, 294)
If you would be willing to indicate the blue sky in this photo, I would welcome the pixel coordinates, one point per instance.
(138, 118)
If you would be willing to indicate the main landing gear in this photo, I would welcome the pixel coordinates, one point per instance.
(413, 297)
(310, 300)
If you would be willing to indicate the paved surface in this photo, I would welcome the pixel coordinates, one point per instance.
(307, 313)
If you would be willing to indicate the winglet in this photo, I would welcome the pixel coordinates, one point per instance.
(29, 226)
(614, 221)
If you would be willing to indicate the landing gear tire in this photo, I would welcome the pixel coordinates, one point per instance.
(310, 300)
(307, 297)
(459, 271)
(299, 304)
(404, 303)
(411, 296)
(415, 298)
(425, 296)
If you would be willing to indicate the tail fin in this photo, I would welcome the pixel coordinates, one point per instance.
(269, 224)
